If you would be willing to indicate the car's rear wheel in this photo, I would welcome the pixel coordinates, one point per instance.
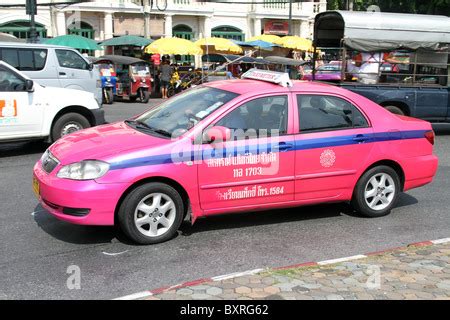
(395, 110)
(151, 213)
(69, 123)
(376, 192)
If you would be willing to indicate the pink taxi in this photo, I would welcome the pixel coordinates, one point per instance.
(253, 144)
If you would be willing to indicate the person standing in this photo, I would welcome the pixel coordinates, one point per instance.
(165, 76)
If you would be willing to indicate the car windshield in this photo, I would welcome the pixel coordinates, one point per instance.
(182, 112)
(140, 70)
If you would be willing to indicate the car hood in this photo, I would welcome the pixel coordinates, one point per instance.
(105, 142)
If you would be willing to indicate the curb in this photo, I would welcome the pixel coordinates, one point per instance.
(149, 293)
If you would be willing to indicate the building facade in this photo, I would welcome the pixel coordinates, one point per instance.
(189, 19)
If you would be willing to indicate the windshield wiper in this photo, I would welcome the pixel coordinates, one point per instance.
(142, 125)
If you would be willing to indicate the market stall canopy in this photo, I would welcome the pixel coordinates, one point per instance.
(284, 61)
(260, 44)
(6, 37)
(116, 59)
(220, 44)
(380, 31)
(295, 43)
(228, 58)
(127, 41)
(173, 46)
(74, 41)
(265, 37)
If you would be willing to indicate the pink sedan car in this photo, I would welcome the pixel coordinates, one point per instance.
(237, 145)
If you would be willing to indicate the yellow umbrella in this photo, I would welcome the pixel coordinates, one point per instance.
(220, 44)
(296, 43)
(265, 37)
(173, 46)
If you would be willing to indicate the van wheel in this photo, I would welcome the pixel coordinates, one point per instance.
(67, 124)
(151, 213)
(376, 192)
(144, 95)
(395, 110)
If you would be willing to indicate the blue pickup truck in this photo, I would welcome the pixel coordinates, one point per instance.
(424, 102)
(401, 61)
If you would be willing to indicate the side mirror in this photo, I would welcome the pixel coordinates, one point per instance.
(217, 134)
(29, 85)
(90, 66)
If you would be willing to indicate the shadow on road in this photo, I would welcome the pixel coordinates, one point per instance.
(22, 148)
(249, 219)
(77, 234)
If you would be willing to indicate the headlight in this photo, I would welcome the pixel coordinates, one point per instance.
(84, 170)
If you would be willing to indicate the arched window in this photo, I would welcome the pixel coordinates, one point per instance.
(228, 32)
(83, 29)
(185, 32)
(182, 31)
(21, 29)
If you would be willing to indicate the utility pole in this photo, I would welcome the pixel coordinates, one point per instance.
(290, 18)
(31, 9)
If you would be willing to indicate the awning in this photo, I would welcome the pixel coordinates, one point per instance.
(380, 31)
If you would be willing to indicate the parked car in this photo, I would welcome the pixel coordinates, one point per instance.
(53, 66)
(30, 111)
(327, 72)
(233, 146)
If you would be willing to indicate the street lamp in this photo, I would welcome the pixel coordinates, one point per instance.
(31, 9)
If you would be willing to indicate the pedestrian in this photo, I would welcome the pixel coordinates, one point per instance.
(165, 76)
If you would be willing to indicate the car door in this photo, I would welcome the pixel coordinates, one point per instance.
(19, 114)
(73, 71)
(254, 168)
(332, 146)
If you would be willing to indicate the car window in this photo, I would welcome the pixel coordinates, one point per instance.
(321, 113)
(9, 81)
(71, 59)
(263, 116)
(24, 59)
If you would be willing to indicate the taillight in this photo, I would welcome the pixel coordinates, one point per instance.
(429, 135)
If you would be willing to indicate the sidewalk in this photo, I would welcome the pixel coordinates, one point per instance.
(419, 271)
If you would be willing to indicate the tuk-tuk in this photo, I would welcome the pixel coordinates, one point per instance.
(108, 77)
(133, 78)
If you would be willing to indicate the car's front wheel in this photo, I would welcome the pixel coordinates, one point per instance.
(67, 124)
(151, 213)
(376, 192)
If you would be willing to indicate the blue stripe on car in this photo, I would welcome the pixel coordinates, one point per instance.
(303, 144)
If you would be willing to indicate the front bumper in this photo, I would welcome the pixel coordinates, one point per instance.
(78, 202)
(99, 116)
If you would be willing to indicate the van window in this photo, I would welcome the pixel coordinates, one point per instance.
(71, 59)
(24, 59)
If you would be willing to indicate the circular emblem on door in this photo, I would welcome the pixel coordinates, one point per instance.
(327, 158)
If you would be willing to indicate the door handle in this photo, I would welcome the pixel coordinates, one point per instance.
(360, 138)
(283, 146)
(62, 74)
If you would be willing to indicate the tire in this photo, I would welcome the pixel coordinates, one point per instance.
(68, 123)
(395, 110)
(364, 201)
(170, 91)
(108, 96)
(151, 229)
(144, 95)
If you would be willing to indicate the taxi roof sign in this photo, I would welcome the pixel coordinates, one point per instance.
(280, 78)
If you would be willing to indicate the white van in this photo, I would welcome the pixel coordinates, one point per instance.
(30, 111)
(53, 66)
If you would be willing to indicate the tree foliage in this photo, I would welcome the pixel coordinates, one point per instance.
(441, 7)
